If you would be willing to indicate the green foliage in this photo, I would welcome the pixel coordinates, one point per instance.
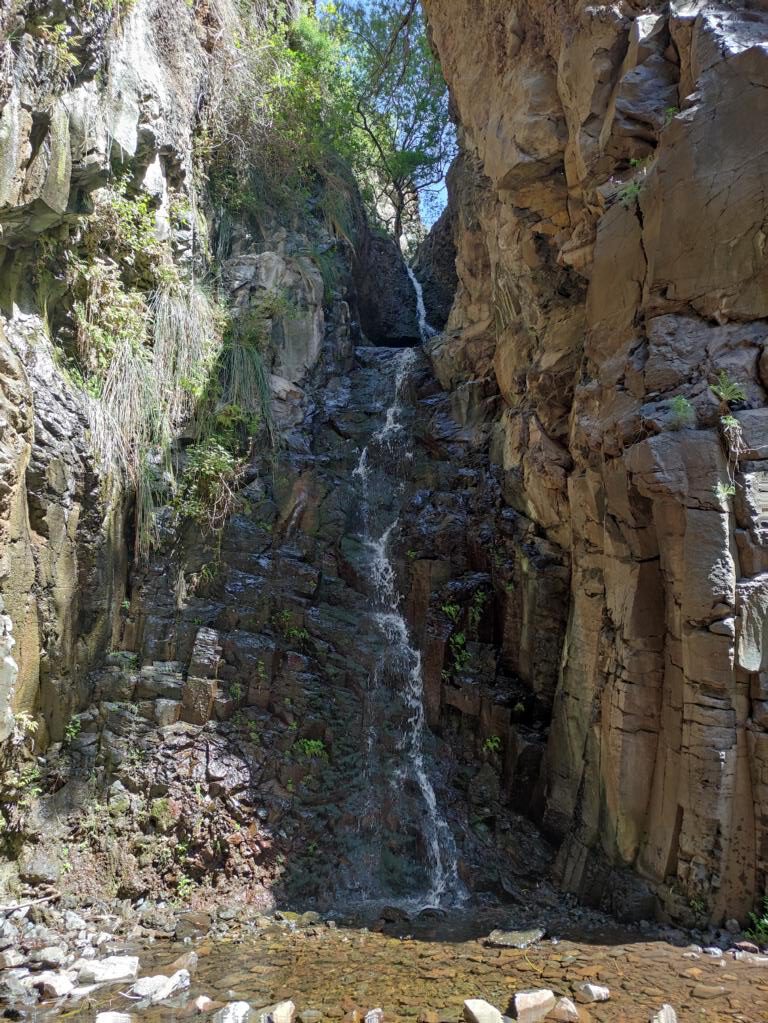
(629, 193)
(758, 932)
(492, 744)
(460, 656)
(205, 491)
(72, 730)
(57, 44)
(476, 606)
(236, 691)
(451, 611)
(683, 413)
(311, 749)
(184, 888)
(723, 491)
(727, 390)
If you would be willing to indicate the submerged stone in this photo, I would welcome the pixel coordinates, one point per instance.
(515, 939)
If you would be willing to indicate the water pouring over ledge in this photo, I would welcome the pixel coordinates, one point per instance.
(426, 330)
(397, 676)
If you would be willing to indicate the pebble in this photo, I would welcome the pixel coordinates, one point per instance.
(713, 951)
(234, 1012)
(532, 1006)
(589, 992)
(666, 1014)
(708, 991)
(477, 1010)
(114, 1017)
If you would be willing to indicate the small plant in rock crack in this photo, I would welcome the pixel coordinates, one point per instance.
(236, 691)
(461, 657)
(683, 413)
(451, 611)
(492, 744)
(72, 730)
(723, 491)
(311, 749)
(629, 193)
(479, 601)
(758, 932)
(727, 390)
(184, 887)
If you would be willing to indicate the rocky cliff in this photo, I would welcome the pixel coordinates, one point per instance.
(612, 272)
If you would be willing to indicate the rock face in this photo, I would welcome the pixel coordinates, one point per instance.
(435, 267)
(612, 268)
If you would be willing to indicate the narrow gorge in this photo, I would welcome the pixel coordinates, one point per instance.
(383, 511)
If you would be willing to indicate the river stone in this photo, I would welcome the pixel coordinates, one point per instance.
(477, 1010)
(666, 1014)
(282, 1012)
(531, 1006)
(158, 988)
(52, 985)
(53, 955)
(113, 968)
(706, 991)
(114, 1017)
(10, 958)
(565, 1012)
(515, 939)
(310, 1016)
(588, 992)
(234, 1012)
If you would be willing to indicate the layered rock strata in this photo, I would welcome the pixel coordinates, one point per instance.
(612, 269)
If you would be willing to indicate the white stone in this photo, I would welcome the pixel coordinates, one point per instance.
(10, 958)
(52, 985)
(477, 1010)
(593, 992)
(282, 1012)
(666, 1014)
(114, 1017)
(531, 1006)
(374, 1016)
(113, 968)
(158, 988)
(234, 1012)
(565, 1012)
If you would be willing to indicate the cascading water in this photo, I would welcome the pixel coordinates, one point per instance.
(426, 331)
(399, 667)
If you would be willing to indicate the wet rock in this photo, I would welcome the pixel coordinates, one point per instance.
(708, 991)
(666, 1014)
(531, 1006)
(157, 989)
(589, 992)
(564, 1012)
(515, 939)
(53, 985)
(477, 1010)
(746, 946)
(713, 951)
(192, 925)
(114, 968)
(114, 1017)
(309, 1016)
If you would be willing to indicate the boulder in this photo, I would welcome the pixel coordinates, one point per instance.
(53, 985)
(531, 1006)
(157, 989)
(477, 1010)
(109, 970)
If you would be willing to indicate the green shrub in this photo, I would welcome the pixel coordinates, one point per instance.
(206, 491)
(727, 390)
(311, 749)
(683, 413)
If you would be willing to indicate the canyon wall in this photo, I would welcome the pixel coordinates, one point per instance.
(612, 268)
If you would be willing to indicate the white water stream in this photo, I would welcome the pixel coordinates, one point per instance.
(444, 882)
(426, 331)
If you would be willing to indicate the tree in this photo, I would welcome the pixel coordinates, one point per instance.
(401, 105)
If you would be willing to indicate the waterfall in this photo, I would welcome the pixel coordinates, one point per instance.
(401, 662)
(425, 330)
